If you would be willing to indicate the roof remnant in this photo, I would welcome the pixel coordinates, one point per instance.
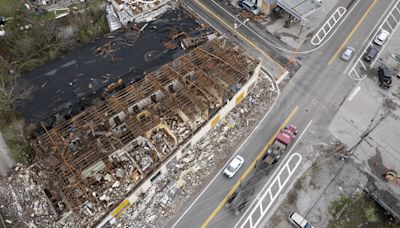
(139, 126)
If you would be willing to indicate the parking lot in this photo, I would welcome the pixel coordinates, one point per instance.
(360, 68)
(369, 117)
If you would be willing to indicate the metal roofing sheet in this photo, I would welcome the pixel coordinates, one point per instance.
(299, 8)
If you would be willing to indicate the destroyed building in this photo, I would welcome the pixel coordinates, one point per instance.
(108, 150)
(122, 12)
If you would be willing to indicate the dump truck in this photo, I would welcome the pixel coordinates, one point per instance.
(239, 199)
(280, 144)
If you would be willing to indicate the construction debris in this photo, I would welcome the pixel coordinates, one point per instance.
(23, 201)
(135, 129)
(168, 194)
(122, 12)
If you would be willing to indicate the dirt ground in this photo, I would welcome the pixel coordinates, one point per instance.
(303, 197)
(360, 211)
(330, 194)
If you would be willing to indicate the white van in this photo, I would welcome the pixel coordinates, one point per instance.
(299, 221)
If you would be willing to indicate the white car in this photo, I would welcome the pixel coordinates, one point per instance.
(233, 166)
(299, 221)
(381, 38)
(348, 52)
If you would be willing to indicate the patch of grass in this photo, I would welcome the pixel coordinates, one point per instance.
(11, 124)
(46, 17)
(86, 5)
(361, 211)
(7, 7)
(14, 136)
(370, 214)
(338, 205)
(26, 49)
(91, 24)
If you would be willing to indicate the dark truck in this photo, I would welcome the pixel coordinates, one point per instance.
(385, 77)
(238, 200)
(281, 143)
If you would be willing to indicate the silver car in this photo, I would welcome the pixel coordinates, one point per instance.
(348, 52)
(233, 166)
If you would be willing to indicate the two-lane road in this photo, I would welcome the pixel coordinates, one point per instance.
(317, 89)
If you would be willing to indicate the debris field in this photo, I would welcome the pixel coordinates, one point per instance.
(102, 154)
(169, 194)
(61, 89)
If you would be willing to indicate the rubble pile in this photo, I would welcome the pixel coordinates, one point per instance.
(23, 202)
(110, 148)
(27, 201)
(122, 12)
(182, 131)
(163, 141)
(169, 193)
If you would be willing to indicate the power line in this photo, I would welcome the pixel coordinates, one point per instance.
(339, 113)
(330, 107)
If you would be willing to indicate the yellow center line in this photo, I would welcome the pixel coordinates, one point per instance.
(233, 30)
(222, 203)
(352, 32)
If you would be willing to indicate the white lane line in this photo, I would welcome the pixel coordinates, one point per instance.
(388, 40)
(265, 75)
(354, 93)
(356, 75)
(283, 49)
(389, 25)
(398, 10)
(260, 207)
(223, 167)
(340, 11)
(363, 65)
(370, 39)
(280, 79)
(394, 18)
(274, 174)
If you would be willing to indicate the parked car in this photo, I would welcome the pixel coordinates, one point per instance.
(371, 54)
(385, 77)
(299, 221)
(348, 52)
(233, 166)
(381, 38)
(248, 5)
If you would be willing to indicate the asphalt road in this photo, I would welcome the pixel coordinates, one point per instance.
(317, 89)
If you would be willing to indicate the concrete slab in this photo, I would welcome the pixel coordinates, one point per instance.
(378, 111)
(297, 34)
(354, 117)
